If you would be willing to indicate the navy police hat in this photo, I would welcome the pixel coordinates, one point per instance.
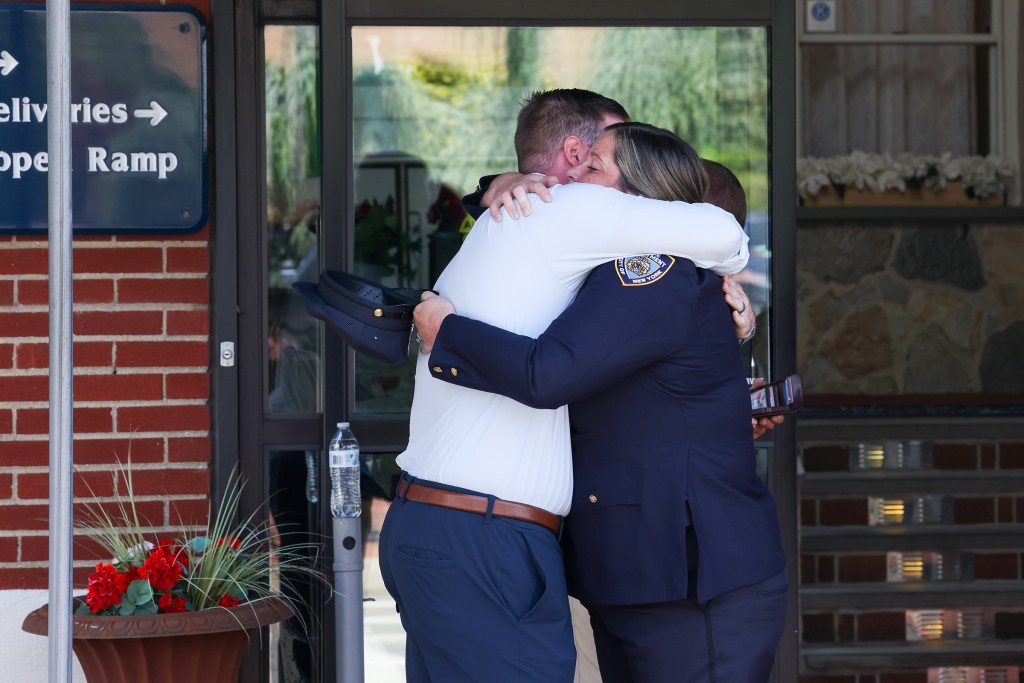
(373, 319)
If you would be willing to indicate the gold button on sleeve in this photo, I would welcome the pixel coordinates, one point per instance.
(436, 368)
(377, 312)
(592, 498)
(455, 372)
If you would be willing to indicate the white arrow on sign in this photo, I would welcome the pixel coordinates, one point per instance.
(155, 113)
(7, 63)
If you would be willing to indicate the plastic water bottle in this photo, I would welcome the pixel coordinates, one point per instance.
(344, 463)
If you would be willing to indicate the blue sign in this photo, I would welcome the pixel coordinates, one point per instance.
(138, 120)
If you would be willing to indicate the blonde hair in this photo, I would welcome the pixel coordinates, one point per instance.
(657, 163)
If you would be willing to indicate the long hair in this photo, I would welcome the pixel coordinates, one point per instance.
(657, 163)
(550, 116)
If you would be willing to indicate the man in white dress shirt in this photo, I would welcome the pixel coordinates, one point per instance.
(469, 548)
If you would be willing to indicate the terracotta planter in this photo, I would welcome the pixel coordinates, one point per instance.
(165, 648)
(951, 195)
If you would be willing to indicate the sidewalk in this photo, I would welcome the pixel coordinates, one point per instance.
(383, 637)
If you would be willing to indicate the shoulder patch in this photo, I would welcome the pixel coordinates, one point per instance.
(644, 269)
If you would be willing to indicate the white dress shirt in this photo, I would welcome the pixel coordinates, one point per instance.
(520, 275)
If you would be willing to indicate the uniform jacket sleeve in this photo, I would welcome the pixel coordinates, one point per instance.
(609, 331)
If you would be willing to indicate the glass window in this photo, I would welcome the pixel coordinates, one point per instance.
(435, 109)
(292, 73)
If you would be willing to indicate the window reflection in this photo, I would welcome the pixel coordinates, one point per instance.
(293, 216)
(435, 109)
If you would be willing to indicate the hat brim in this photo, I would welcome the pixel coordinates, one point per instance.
(386, 345)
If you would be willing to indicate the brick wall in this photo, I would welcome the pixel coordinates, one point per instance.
(141, 388)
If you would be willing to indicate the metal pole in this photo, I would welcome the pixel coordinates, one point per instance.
(348, 590)
(58, 98)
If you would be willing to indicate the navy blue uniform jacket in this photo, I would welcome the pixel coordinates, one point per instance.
(660, 420)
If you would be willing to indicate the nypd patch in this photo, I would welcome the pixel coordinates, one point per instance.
(644, 269)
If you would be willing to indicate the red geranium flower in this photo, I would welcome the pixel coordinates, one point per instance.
(170, 604)
(106, 587)
(161, 569)
(176, 552)
(234, 543)
(228, 601)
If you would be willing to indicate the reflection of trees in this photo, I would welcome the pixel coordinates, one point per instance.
(708, 85)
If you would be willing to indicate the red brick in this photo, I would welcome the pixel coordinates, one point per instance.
(37, 420)
(80, 575)
(862, 569)
(163, 354)
(119, 260)
(903, 678)
(8, 549)
(189, 449)
(1011, 456)
(25, 388)
(188, 260)
(163, 419)
(988, 456)
(996, 566)
(188, 385)
(188, 322)
(169, 482)
(87, 548)
(119, 450)
(6, 486)
(164, 291)
(147, 387)
(18, 517)
(24, 261)
(22, 324)
(86, 355)
(952, 456)
(6, 292)
(33, 486)
(881, 626)
(118, 322)
(818, 628)
(6, 356)
(809, 512)
(35, 548)
(842, 511)
(24, 453)
(150, 512)
(25, 578)
(189, 512)
(826, 458)
(826, 568)
(846, 631)
(200, 235)
(974, 510)
(37, 292)
(6, 421)
(1005, 514)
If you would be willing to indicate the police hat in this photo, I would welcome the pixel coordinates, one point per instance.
(373, 319)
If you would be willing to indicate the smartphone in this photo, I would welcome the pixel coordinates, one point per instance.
(777, 398)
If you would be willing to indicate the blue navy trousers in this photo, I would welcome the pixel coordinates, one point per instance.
(481, 598)
(731, 638)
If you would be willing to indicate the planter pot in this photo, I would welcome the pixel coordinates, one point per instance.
(951, 195)
(165, 648)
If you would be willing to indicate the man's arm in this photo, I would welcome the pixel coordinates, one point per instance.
(582, 351)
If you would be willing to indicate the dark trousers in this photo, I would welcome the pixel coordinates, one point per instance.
(729, 639)
(481, 598)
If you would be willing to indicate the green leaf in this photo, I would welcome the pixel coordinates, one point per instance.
(139, 592)
(83, 609)
(146, 608)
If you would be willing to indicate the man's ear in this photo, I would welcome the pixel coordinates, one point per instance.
(573, 150)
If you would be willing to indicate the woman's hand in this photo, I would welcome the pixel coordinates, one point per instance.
(508, 188)
(427, 315)
(742, 312)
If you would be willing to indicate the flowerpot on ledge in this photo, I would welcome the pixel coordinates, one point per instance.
(207, 645)
(951, 195)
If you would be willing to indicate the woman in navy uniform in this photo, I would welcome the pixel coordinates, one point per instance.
(672, 542)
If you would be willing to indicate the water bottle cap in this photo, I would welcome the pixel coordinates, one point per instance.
(343, 425)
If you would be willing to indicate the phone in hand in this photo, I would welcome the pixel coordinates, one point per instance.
(777, 398)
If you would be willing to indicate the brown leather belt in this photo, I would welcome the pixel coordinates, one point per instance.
(466, 502)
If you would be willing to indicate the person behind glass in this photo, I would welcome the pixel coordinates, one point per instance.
(469, 548)
(672, 541)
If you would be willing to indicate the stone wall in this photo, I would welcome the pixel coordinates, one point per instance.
(910, 309)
